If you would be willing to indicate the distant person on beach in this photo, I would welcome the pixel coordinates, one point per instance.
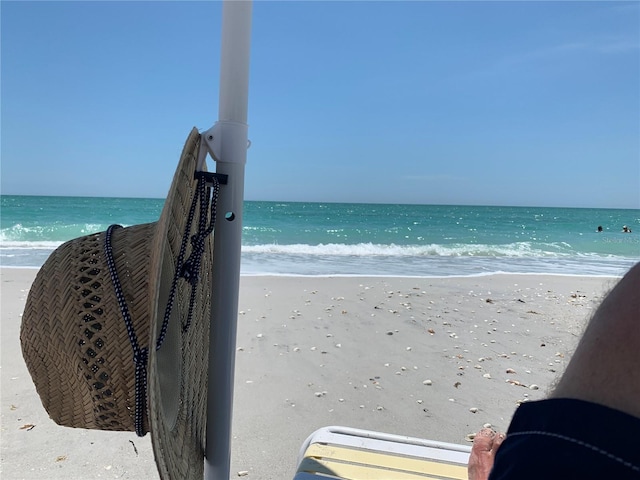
(599, 228)
(626, 229)
(588, 427)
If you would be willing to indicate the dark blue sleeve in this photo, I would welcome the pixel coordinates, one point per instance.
(569, 439)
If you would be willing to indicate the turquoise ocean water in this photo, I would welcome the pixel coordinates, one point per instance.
(290, 238)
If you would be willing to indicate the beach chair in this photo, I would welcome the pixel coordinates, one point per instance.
(353, 454)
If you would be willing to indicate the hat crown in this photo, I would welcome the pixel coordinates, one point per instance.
(73, 338)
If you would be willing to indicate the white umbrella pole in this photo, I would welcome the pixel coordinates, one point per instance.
(230, 141)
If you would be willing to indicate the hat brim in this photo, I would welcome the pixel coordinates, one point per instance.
(178, 369)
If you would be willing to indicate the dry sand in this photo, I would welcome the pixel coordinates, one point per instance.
(401, 355)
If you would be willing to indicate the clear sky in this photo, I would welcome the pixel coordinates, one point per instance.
(492, 103)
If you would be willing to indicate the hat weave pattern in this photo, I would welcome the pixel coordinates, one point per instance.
(73, 338)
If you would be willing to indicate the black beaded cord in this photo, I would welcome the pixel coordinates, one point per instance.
(140, 355)
(189, 270)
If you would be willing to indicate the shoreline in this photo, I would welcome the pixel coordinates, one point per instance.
(405, 355)
(339, 275)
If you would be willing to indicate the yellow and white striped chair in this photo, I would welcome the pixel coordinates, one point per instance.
(354, 454)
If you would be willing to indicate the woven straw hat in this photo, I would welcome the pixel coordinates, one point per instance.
(115, 330)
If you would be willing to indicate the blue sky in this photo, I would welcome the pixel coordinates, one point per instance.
(492, 103)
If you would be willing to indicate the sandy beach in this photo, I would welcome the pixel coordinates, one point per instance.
(433, 357)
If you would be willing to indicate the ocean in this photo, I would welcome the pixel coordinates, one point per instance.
(321, 239)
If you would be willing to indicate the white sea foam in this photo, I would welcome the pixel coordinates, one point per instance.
(519, 249)
(26, 234)
(38, 245)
